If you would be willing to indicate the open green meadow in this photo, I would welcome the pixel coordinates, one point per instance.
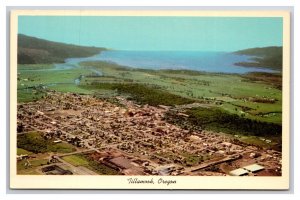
(34, 164)
(85, 161)
(36, 143)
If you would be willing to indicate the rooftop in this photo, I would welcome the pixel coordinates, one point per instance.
(121, 162)
(254, 168)
(238, 172)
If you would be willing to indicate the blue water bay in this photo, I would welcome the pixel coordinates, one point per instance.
(220, 62)
(191, 60)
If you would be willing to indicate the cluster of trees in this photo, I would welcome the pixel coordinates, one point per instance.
(273, 79)
(33, 50)
(214, 118)
(218, 120)
(33, 142)
(183, 72)
(144, 94)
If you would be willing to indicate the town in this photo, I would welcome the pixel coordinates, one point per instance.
(120, 137)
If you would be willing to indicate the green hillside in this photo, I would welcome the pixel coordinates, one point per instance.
(266, 57)
(33, 50)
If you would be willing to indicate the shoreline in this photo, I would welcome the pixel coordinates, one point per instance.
(183, 71)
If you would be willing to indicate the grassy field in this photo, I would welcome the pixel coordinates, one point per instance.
(86, 161)
(34, 142)
(36, 67)
(21, 151)
(23, 169)
(76, 160)
(32, 83)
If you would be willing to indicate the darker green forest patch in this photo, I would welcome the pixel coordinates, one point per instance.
(273, 79)
(36, 143)
(143, 94)
(218, 120)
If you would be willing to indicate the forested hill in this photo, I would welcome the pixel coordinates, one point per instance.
(33, 50)
(266, 57)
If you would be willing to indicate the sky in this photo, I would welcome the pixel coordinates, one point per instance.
(157, 33)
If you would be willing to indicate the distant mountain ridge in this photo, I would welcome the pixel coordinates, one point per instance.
(266, 57)
(32, 50)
